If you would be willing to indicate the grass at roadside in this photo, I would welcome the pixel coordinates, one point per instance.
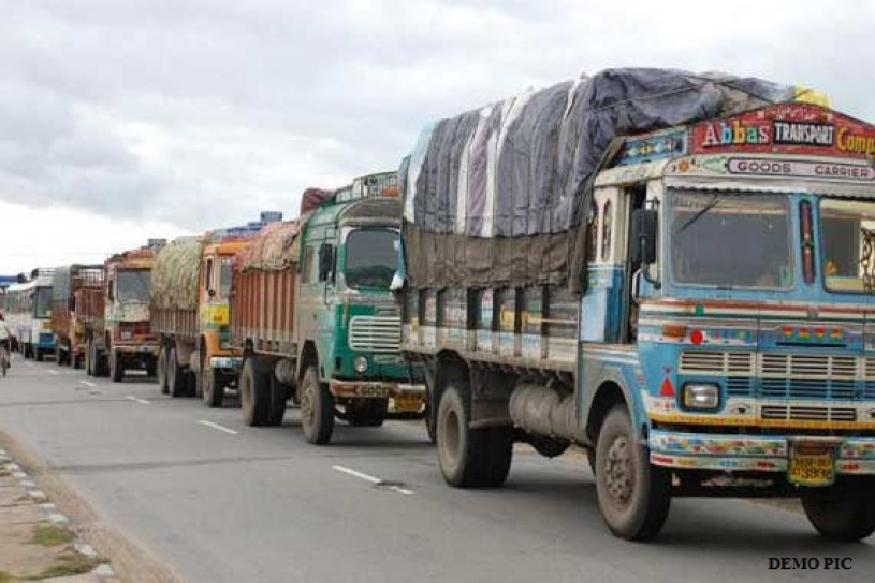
(66, 565)
(52, 536)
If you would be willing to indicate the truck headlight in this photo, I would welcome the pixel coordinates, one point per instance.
(360, 364)
(701, 396)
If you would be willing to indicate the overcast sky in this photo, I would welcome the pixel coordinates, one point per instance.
(124, 119)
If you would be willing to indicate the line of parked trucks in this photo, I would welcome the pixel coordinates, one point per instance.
(700, 324)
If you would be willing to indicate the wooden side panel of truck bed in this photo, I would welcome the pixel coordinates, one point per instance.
(263, 309)
(175, 322)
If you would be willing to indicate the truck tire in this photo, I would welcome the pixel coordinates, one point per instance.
(161, 370)
(430, 420)
(254, 393)
(38, 354)
(470, 458)
(844, 512)
(176, 383)
(212, 387)
(279, 398)
(317, 408)
(89, 358)
(634, 495)
(77, 362)
(116, 369)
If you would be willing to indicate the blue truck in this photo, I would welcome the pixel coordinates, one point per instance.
(714, 334)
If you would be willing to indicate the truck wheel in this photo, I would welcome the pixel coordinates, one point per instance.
(213, 388)
(279, 398)
(77, 362)
(470, 458)
(254, 393)
(161, 370)
(176, 384)
(59, 357)
(317, 409)
(89, 361)
(38, 354)
(116, 369)
(430, 421)
(844, 512)
(634, 495)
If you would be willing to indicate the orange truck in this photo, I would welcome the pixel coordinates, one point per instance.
(190, 314)
(125, 340)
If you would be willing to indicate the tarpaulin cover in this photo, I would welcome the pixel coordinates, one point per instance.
(313, 197)
(176, 274)
(494, 196)
(273, 248)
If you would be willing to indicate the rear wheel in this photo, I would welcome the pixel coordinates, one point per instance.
(634, 495)
(161, 370)
(844, 512)
(116, 368)
(470, 458)
(254, 393)
(279, 397)
(176, 384)
(212, 387)
(317, 408)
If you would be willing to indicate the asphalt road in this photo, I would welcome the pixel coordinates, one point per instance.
(219, 501)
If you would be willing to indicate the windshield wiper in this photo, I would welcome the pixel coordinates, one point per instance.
(699, 214)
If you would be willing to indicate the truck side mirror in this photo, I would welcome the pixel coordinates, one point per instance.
(644, 229)
(326, 261)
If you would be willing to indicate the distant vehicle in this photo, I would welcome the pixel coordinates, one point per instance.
(28, 314)
(190, 294)
(312, 313)
(70, 311)
(123, 339)
(702, 329)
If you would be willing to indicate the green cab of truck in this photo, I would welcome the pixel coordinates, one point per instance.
(312, 305)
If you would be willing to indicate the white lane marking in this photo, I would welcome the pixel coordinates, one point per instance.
(212, 425)
(352, 472)
(140, 401)
(370, 478)
(88, 383)
(54, 372)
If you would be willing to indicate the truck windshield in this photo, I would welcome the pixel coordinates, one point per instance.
(371, 258)
(133, 285)
(848, 234)
(225, 277)
(42, 302)
(730, 239)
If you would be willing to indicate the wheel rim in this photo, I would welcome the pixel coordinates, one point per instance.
(619, 471)
(451, 436)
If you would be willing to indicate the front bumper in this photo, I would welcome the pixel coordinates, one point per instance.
(763, 453)
(228, 363)
(376, 390)
(137, 349)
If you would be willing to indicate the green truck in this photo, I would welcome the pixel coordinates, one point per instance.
(312, 312)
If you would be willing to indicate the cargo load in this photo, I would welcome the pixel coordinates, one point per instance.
(478, 184)
(175, 275)
(275, 248)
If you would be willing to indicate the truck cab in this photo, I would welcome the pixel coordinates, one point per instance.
(347, 322)
(128, 339)
(216, 356)
(728, 309)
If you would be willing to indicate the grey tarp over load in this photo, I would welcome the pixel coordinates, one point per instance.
(495, 196)
(276, 247)
(174, 280)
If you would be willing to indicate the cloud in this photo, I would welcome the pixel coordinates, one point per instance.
(196, 113)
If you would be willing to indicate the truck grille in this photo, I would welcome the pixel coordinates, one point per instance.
(375, 333)
(786, 376)
(808, 413)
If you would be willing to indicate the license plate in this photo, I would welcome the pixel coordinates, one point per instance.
(408, 405)
(811, 465)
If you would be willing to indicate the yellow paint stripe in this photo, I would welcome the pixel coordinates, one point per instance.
(755, 422)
